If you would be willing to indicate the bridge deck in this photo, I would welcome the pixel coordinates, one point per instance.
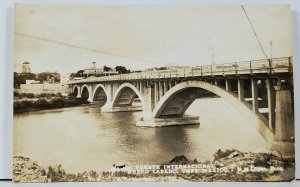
(265, 66)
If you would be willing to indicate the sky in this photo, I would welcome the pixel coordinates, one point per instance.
(140, 37)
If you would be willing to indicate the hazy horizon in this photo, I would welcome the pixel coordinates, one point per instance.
(140, 37)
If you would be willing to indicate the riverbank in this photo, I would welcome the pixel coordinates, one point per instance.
(43, 104)
(229, 165)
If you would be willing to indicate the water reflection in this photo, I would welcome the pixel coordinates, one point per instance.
(174, 140)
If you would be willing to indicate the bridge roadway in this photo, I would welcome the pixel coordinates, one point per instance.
(265, 66)
(262, 90)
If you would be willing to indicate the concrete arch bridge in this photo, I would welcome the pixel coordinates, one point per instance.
(262, 90)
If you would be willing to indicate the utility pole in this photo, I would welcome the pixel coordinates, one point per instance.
(212, 55)
(271, 49)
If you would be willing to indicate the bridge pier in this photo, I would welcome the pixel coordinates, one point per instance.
(78, 88)
(170, 84)
(241, 90)
(216, 82)
(121, 109)
(284, 130)
(271, 103)
(141, 87)
(161, 122)
(109, 107)
(149, 102)
(160, 89)
(78, 95)
(156, 90)
(165, 87)
(90, 98)
(228, 85)
(284, 122)
(254, 95)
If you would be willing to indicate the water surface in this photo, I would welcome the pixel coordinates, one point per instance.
(82, 138)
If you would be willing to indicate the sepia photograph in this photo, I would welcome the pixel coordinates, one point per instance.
(200, 93)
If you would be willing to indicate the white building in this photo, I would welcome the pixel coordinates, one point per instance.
(97, 71)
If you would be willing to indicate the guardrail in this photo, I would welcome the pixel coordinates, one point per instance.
(269, 66)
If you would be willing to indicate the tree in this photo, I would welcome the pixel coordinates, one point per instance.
(49, 77)
(106, 68)
(16, 80)
(162, 68)
(77, 74)
(122, 70)
(20, 78)
(72, 75)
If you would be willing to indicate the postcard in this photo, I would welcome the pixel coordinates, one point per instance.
(153, 93)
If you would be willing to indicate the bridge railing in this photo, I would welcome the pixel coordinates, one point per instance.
(275, 65)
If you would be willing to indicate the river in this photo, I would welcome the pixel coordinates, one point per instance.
(81, 138)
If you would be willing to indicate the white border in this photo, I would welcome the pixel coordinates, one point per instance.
(6, 67)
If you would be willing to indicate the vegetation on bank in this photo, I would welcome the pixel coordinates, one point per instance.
(20, 78)
(24, 170)
(42, 103)
(18, 95)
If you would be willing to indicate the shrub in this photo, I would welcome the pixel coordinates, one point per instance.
(58, 103)
(71, 94)
(26, 104)
(42, 103)
(221, 154)
(18, 106)
(16, 93)
(30, 95)
(263, 160)
(71, 102)
(74, 101)
(56, 173)
(58, 94)
(48, 95)
(22, 105)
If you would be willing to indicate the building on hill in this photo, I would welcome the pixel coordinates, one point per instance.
(94, 71)
(32, 82)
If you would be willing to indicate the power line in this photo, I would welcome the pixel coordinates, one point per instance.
(254, 32)
(79, 47)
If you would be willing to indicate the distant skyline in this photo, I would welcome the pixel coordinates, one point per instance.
(150, 36)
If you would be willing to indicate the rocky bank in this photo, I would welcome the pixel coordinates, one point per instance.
(240, 166)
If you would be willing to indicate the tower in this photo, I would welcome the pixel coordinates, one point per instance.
(26, 67)
(94, 65)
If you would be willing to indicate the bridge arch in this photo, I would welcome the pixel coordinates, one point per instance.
(75, 90)
(125, 95)
(100, 94)
(85, 92)
(186, 92)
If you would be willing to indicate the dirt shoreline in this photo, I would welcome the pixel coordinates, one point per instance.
(238, 166)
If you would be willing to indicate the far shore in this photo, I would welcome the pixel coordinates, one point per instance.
(43, 103)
